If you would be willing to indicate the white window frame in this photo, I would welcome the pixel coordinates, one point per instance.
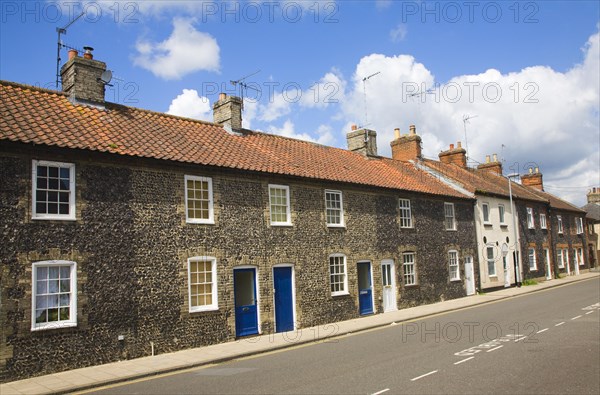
(566, 257)
(559, 224)
(214, 284)
(341, 224)
(532, 259)
(530, 219)
(288, 221)
(579, 253)
(344, 282)
(579, 225)
(543, 223)
(409, 269)
(72, 321)
(211, 217)
(405, 213)
(453, 265)
(491, 261)
(34, 187)
(560, 258)
(501, 214)
(449, 215)
(485, 213)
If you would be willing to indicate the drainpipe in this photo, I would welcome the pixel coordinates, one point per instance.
(516, 256)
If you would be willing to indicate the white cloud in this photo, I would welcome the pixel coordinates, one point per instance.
(399, 33)
(278, 106)
(190, 105)
(540, 115)
(186, 51)
(330, 89)
(323, 133)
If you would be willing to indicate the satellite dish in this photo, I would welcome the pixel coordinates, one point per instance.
(106, 77)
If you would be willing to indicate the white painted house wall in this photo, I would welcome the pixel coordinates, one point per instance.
(495, 235)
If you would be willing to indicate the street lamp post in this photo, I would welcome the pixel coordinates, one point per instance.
(514, 221)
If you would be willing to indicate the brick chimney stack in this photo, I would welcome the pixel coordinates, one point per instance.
(362, 141)
(491, 165)
(406, 147)
(533, 179)
(593, 195)
(456, 156)
(228, 111)
(81, 76)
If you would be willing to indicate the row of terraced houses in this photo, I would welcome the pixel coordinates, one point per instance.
(126, 231)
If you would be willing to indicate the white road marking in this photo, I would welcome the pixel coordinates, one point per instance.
(423, 375)
(521, 338)
(589, 312)
(381, 392)
(559, 324)
(494, 349)
(574, 318)
(542, 330)
(464, 360)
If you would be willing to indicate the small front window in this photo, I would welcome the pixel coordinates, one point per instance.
(199, 200)
(560, 259)
(491, 261)
(579, 225)
(532, 259)
(334, 209)
(405, 213)
(560, 224)
(530, 223)
(543, 224)
(202, 280)
(54, 295)
(453, 265)
(337, 274)
(53, 190)
(408, 268)
(449, 216)
(501, 213)
(486, 213)
(279, 202)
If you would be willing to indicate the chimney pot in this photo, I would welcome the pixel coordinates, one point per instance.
(222, 96)
(451, 146)
(487, 159)
(495, 158)
(537, 170)
(459, 144)
(397, 133)
(412, 129)
(72, 53)
(354, 127)
(88, 52)
(530, 170)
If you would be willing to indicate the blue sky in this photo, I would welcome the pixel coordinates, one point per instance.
(526, 71)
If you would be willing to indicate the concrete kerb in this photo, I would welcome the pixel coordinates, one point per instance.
(266, 343)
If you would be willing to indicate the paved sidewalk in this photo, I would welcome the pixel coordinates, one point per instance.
(95, 376)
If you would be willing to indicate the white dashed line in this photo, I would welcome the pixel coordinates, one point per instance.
(494, 349)
(521, 338)
(423, 375)
(589, 312)
(574, 318)
(559, 324)
(543, 330)
(381, 392)
(464, 360)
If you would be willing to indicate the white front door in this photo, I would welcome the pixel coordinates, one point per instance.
(548, 267)
(388, 278)
(469, 275)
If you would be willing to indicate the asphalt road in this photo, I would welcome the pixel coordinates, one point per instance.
(543, 342)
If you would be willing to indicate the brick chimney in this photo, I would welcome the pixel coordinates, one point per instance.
(593, 195)
(533, 179)
(456, 156)
(362, 141)
(406, 147)
(491, 165)
(228, 111)
(81, 76)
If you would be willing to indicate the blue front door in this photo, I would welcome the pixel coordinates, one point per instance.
(246, 315)
(365, 290)
(284, 302)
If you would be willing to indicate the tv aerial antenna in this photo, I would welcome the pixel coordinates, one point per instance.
(364, 80)
(466, 119)
(59, 44)
(429, 91)
(243, 85)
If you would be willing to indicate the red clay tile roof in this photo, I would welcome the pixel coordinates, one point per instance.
(483, 181)
(33, 115)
